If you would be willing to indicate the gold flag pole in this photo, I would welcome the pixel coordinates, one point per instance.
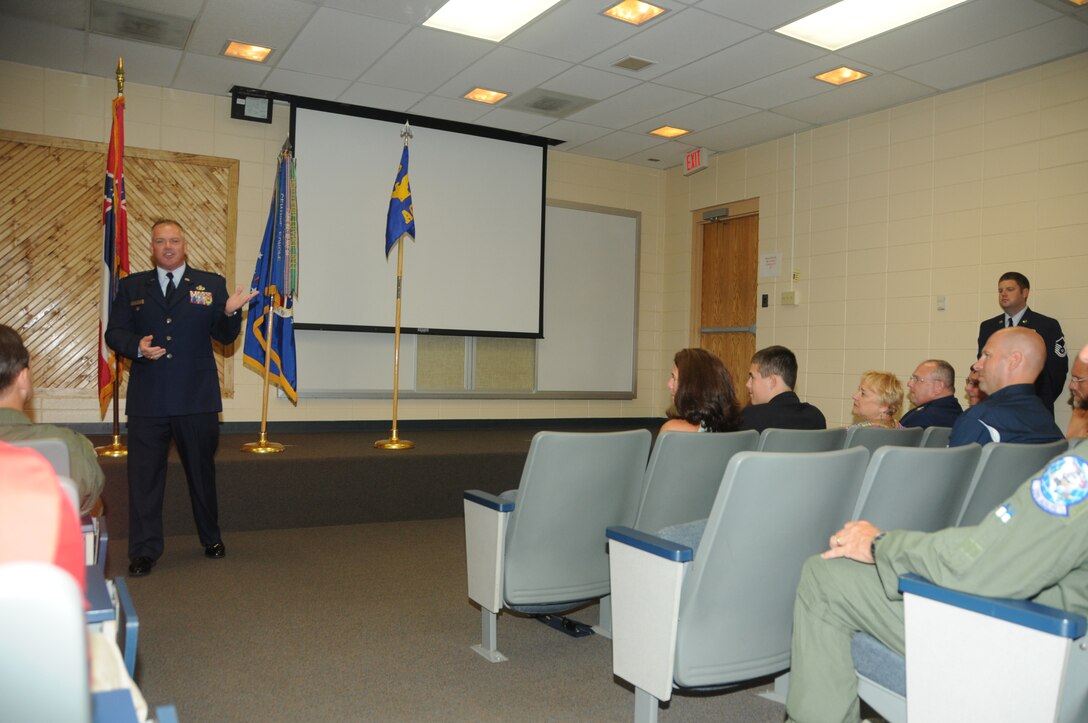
(262, 445)
(116, 448)
(395, 442)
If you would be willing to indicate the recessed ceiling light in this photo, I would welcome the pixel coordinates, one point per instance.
(483, 95)
(256, 53)
(850, 21)
(1079, 2)
(487, 19)
(634, 11)
(669, 132)
(841, 76)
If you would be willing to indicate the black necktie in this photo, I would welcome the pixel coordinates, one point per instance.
(1008, 320)
(170, 286)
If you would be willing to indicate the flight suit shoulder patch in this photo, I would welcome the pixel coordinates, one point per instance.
(1062, 487)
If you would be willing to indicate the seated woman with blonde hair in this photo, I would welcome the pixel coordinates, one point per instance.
(878, 400)
(703, 396)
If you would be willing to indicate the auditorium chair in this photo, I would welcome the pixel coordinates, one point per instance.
(873, 438)
(684, 474)
(543, 551)
(971, 657)
(54, 451)
(1001, 468)
(721, 614)
(801, 440)
(915, 488)
(936, 437)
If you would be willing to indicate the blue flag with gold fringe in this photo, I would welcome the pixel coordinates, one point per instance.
(400, 221)
(276, 281)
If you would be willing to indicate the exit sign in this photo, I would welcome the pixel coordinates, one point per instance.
(696, 161)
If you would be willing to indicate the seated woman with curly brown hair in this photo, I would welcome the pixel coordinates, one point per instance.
(703, 396)
(878, 400)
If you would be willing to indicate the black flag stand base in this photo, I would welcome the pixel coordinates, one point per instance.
(262, 446)
(115, 449)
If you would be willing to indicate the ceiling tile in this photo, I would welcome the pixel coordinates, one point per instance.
(762, 14)
(506, 69)
(452, 109)
(340, 44)
(589, 83)
(676, 39)
(513, 120)
(188, 9)
(425, 59)
(785, 86)
(271, 23)
(217, 75)
(378, 96)
(701, 114)
(412, 12)
(747, 131)
(48, 46)
(292, 82)
(1040, 44)
(617, 145)
(572, 134)
(631, 106)
(744, 62)
(65, 13)
(864, 96)
(962, 26)
(573, 32)
(144, 63)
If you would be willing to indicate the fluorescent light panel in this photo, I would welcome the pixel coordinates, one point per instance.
(851, 21)
(483, 95)
(669, 132)
(487, 19)
(841, 76)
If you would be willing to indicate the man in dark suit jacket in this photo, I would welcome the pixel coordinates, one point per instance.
(932, 391)
(771, 378)
(1012, 294)
(164, 320)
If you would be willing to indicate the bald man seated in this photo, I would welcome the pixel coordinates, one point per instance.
(1007, 369)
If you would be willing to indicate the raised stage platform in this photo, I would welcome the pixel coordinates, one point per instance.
(339, 478)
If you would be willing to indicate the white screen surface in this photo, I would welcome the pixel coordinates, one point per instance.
(475, 266)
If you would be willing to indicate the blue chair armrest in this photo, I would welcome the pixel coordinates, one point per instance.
(489, 500)
(671, 551)
(113, 706)
(131, 624)
(166, 714)
(1021, 612)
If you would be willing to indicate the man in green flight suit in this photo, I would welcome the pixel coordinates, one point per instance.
(1034, 546)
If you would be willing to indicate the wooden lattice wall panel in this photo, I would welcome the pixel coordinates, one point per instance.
(51, 242)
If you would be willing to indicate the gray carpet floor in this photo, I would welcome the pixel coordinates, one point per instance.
(367, 623)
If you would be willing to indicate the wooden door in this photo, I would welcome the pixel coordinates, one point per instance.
(727, 310)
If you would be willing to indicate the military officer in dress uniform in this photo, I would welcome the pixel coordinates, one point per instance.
(1034, 546)
(1012, 294)
(164, 320)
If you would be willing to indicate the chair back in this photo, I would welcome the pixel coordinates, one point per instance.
(936, 437)
(684, 474)
(772, 512)
(1001, 468)
(914, 488)
(801, 440)
(43, 671)
(873, 438)
(53, 449)
(573, 486)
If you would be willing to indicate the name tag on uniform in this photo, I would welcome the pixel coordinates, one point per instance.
(203, 298)
(135, 302)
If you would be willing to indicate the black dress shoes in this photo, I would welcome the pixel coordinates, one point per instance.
(216, 551)
(140, 566)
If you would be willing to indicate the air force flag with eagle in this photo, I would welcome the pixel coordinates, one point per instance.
(400, 221)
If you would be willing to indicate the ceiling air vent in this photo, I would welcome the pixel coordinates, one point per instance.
(549, 103)
(122, 21)
(633, 63)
